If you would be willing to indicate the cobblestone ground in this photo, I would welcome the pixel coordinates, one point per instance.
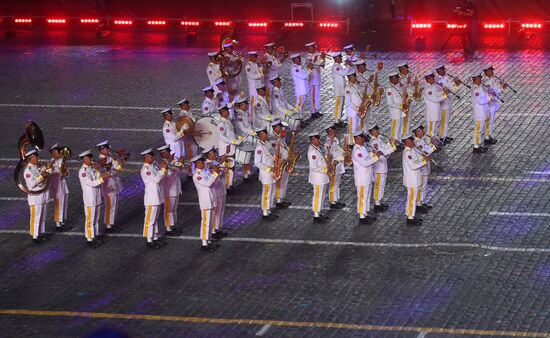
(481, 261)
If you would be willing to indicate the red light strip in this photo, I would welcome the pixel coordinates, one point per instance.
(22, 20)
(190, 23)
(493, 26)
(56, 20)
(89, 20)
(456, 26)
(421, 25)
(123, 22)
(222, 23)
(294, 24)
(257, 24)
(328, 24)
(531, 25)
(156, 22)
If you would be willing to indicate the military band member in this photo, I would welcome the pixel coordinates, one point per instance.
(153, 196)
(363, 77)
(281, 185)
(204, 180)
(497, 88)
(300, 77)
(339, 72)
(255, 76)
(185, 108)
(171, 186)
(443, 79)
(58, 187)
(212, 162)
(232, 62)
(280, 106)
(380, 167)
(244, 128)
(273, 63)
(172, 136)
(425, 146)
(263, 114)
(112, 186)
(318, 176)
(354, 97)
(213, 69)
(394, 99)
(223, 98)
(433, 95)
(363, 167)
(227, 141)
(264, 161)
(413, 161)
(90, 182)
(189, 145)
(209, 104)
(480, 104)
(351, 54)
(35, 180)
(407, 79)
(332, 146)
(316, 60)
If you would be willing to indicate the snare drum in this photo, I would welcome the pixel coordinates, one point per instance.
(293, 121)
(243, 153)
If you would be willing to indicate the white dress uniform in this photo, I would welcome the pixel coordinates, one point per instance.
(339, 72)
(171, 186)
(152, 199)
(37, 202)
(245, 129)
(204, 181)
(480, 104)
(300, 76)
(380, 167)
(425, 145)
(189, 145)
(263, 114)
(394, 99)
(318, 178)
(354, 96)
(59, 191)
(173, 138)
(363, 168)
(271, 72)
(332, 145)
(220, 190)
(410, 90)
(433, 97)
(233, 83)
(227, 140)
(208, 107)
(90, 182)
(110, 190)
(282, 184)
(494, 104)
(413, 161)
(446, 105)
(315, 79)
(281, 107)
(264, 160)
(255, 77)
(214, 74)
(363, 79)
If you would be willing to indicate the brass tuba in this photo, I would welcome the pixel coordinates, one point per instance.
(33, 136)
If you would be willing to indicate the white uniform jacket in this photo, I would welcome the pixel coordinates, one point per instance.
(339, 72)
(394, 99)
(209, 106)
(255, 77)
(263, 160)
(34, 182)
(317, 166)
(204, 180)
(90, 181)
(318, 64)
(424, 145)
(58, 183)
(480, 102)
(354, 96)
(281, 107)
(242, 123)
(337, 154)
(113, 185)
(300, 76)
(363, 165)
(214, 74)
(227, 139)
(152, 176)
(376, 143)
(433, 97)
(263, 114)
(412, 162)
(171, 183)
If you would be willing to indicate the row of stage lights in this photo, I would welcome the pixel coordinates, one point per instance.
(492, 26)
(185, 23)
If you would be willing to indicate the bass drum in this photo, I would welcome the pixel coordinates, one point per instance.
(206, 129)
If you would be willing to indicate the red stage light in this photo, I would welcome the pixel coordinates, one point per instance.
(257, 24)
(421, 25)
(328, 24)
(456, 26)
(56, 20)
(222, 23)
(294, 24)
(123, 22)
(190, 23)
(156, 22)
(22, 20)
(531, 25)
(494, 26)
(89, 20)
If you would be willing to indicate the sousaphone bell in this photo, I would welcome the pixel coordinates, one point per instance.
(33, 137)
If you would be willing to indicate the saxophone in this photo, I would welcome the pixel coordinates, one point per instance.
(293, 156)
(331, 163)
(417, 94)
(405, 103)
(366, 102)
(347, 153)
(377, 91)
(278, 163)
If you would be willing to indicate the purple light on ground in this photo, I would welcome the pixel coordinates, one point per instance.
(6, 173)
(540, 277)
(242, 217)
(93, 306)
(132, 188)
(39, 260)
(10, 218)
(255, 283)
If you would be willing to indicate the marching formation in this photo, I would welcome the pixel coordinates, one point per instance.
(258, 131)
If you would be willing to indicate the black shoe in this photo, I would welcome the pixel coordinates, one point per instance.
(153, 245)
(209, 247)
(371, 218)
(304, 124)
(450, 139)
(414, 222)
(37, 240)
(268, 218)
(319, 220)
(427, 206)
(479, 150)
(490, 141)
(324, 217)
(281, 205)
(380, 208)
(337, 205)
(111, 230)
(171, 233)
(319, 113)
(219, 235)
(94, 243)
(59, 228)
(421, 210)
(287, 203)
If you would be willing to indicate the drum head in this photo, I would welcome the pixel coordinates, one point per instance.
(207, 130)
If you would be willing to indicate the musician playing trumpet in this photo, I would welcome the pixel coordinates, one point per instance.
(281, 185)
(433, 95)
(273, 60)
(35, 180)
(319, 167)
(332, 145)
(172, 136)
(112, 186)
(216, 164)
(264, 160)
(171, 185)
(58, 187)
(227, 140)
(376, 143)
(316, 62)
(395, 98)
(481, 97)
(354, 99)
(363, 165)
(425, 146)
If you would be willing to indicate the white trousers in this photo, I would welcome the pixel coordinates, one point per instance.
(60, 207)
(334, 188)
(171, 210)
(219, 213)
(432, 128)
(379, 185)
(150, 224)
(253, 101)
(338, 108)
(281, 186)
(445, 118)
(396, 129)
(315, 96)
(91, 227)
(300, 100)
(229, 178)
(206, 224)
(480, 131)
(406, 124)
(354, 123)
(38, 220)
(421, 194)
(491, 119)
(363, 199)
(268, 197)
(410, 207)
(319, 191)
(111, 207)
